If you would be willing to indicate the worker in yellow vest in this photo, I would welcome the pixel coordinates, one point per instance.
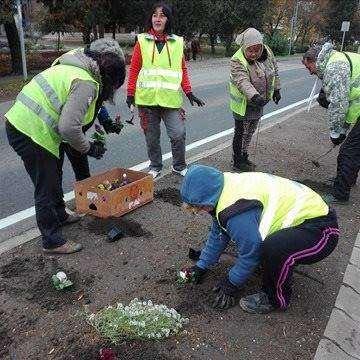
(54, 107)
(274, 221)
(340, 94)
(156, 75)
(254, 81)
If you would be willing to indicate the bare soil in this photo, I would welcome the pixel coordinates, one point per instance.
(39, 322)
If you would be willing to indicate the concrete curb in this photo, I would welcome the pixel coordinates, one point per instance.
(341, 339)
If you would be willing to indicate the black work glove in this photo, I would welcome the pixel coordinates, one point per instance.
(276, 96)
(97, 150)
(130, 100)
(112, 127)
(193, 275)
(224, 295)
(322, 100)
(193, 99)
(258, 101)
(338, 140)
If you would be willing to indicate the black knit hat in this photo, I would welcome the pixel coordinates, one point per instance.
(167, 10)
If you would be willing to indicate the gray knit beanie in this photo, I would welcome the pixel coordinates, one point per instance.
(107, 45)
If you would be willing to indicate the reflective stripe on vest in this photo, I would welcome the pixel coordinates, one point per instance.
(38, 110)
(49, 92)
(285, 203)
(353, 113)
(159, 80)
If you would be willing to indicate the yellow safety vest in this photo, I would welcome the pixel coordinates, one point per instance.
(238, 101)
(38, 106)
(285, 203)
(353, 113)
(159, 80)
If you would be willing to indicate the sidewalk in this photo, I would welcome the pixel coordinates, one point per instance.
(34, 319)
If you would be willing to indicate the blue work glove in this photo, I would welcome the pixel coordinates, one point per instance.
(258, 101)
(276, 96)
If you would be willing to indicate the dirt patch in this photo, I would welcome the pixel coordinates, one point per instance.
(30, 279)
(317, 186)
(130, 228)
(169, 195)
(126, 351)
(5, 339)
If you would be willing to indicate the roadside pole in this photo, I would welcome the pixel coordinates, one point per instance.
(345, 26)
(18, 22)
(293, 25)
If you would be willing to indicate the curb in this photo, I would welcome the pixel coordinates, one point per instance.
(341, 339)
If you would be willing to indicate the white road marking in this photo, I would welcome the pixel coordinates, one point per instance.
(27, 213)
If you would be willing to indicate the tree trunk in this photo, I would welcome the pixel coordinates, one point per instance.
(101, 31)
(95, 32)
(58, 41)
(228, 43)
(114, 31)
(14, 45)
(86, 36)
(212, 43)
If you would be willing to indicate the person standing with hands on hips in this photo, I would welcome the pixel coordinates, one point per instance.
(54, 107)
(157, 74)
(254, 81)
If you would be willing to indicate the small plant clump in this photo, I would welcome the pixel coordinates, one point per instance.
(138, 320)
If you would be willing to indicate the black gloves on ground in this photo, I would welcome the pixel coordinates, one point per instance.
(322, 99)
(130, 100)
(276, 96)
(258, 101)
(193, 99)
(97, 150)
(338, 140)
(224, 295)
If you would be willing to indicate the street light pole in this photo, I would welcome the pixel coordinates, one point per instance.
(293, 24)
(18, 22)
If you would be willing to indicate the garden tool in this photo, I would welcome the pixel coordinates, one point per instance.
(316, 160)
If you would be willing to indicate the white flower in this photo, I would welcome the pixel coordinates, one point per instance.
(182, 275)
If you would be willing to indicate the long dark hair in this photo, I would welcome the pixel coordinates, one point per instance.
(167, 10)
(112, 71)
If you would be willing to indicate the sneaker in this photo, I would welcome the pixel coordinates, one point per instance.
(256, 304)
(154, 173)
(69, 247)
(180, 172)
(331, 199)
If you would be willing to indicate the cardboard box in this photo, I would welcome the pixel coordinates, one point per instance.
(102, 203)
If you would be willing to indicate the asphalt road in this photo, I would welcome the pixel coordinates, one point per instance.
(209, 80)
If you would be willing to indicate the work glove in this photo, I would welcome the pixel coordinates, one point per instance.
(193, 99)
(322, 100)
(258, 101)
(193, 275)
(224, 295)
(97, 150)
(130, 100)
(111, 126)
(338, 140)
(276, 96)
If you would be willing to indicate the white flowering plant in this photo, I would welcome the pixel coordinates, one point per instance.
(138, 320)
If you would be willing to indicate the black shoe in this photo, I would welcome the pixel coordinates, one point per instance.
(249, 163)
(331, 199)
(256, 304)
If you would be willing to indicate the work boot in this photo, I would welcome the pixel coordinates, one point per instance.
(256, 304)
(69, 247)
(243, 164)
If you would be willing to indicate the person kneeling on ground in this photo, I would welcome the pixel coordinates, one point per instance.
(52, 108)
(272, 220)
